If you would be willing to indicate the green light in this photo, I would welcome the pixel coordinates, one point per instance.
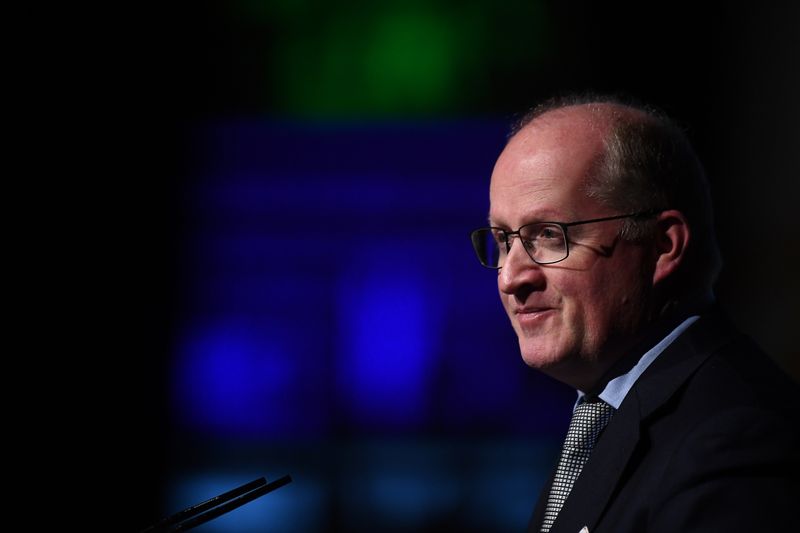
(411, 62)
(390, 62)
(396, 58)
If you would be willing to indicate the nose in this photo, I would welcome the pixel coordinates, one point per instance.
(519, 274)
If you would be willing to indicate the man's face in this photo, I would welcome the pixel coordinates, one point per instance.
(572, 318)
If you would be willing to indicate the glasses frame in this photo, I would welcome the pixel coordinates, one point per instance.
(564, 227)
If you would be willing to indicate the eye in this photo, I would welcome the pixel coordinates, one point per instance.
(549, 232)
(499, 236)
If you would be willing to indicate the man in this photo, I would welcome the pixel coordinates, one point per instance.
(602, 237)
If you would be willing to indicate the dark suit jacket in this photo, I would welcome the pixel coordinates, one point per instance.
(706, 440)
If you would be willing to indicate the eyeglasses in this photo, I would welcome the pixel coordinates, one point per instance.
(544, 242)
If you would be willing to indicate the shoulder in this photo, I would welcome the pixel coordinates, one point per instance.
(729, 432)
(714, 366)
(738, 374)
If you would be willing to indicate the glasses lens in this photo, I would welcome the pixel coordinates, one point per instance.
(487, 244)
(545, 243)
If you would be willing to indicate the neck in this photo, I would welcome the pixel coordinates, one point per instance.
(671, 316)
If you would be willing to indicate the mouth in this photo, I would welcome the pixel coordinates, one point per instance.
(533, 316)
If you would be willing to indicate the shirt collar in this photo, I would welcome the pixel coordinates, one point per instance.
(616, 389)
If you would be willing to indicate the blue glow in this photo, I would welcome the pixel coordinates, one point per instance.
(332, 288)
(332, 296)
(388, 323)
(411, 498)
(242, 379)
(409, 485)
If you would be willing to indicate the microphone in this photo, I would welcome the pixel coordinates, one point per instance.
(212, 508)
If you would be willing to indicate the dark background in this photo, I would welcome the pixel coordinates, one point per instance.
(730, 73)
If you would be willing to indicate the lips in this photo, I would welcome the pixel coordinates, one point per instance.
(533, 316)
(531, 310)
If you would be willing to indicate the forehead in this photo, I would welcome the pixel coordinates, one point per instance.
(544, 168)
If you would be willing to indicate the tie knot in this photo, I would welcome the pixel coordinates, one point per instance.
(587, 422)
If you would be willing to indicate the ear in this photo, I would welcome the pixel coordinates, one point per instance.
(671, 243)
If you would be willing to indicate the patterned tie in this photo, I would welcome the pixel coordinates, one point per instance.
(587, 422)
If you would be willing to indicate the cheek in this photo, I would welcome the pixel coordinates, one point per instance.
(614, 302)
(594, 303)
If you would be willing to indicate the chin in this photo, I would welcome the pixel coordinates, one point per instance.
(540, 357)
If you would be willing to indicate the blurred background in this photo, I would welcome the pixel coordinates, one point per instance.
(289, 283)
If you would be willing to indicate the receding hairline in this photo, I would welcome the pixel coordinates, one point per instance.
(602, 116)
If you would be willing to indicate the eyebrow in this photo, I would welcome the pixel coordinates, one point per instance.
(548, 216)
